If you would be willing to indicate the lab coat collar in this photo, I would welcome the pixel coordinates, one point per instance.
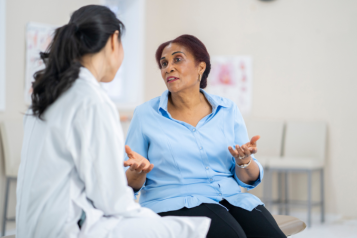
(86, 75)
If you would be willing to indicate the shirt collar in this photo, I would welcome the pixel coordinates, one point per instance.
(212, 99)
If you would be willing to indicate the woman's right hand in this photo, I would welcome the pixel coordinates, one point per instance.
(138, 164)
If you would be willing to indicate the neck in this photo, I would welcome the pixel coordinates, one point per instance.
(95, 64)
(186, 99)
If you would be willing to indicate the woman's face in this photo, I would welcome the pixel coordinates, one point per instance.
(179, 68)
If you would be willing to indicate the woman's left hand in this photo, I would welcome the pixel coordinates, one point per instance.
(242, 153)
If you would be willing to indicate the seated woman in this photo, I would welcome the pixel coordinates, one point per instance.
(199, 145)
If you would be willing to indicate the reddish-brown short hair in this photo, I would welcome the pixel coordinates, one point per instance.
(196, 47)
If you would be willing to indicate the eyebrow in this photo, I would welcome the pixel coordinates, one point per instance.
(173, 54)
(178, 52)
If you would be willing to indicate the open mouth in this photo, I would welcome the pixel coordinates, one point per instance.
(171, 79)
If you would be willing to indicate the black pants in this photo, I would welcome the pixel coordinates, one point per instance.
(235, 223)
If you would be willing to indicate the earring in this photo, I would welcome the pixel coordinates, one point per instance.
(200, 77)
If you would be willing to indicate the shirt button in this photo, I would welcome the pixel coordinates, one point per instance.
(207, 168)
(220, 194)
(210, 179)
(193, 129)
(200, 148)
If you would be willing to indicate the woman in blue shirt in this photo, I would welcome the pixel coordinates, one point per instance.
(199, 145)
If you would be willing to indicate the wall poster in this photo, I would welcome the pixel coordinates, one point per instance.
(231, 77)
(38, 38)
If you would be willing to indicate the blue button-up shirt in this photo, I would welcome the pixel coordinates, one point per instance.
(192, 165)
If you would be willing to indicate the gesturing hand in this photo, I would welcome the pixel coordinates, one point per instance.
(243, 152)
(137, 162)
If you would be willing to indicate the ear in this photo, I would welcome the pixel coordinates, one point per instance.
(114, 40)
(201, 67)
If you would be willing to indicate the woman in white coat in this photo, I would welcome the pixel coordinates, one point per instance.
(71, 180)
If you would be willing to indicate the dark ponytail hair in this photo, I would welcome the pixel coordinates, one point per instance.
(86, 33)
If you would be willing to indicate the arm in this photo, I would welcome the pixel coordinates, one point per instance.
(137, 166)
(243, 155)
(135, 180)
(250, 176)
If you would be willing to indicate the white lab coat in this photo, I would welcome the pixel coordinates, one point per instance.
(73, 161)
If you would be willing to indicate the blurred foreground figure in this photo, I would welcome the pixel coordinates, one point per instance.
(71, 180)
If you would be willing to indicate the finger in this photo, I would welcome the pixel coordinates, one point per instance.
(254, 139)
(146, 166)
(149, 168)
(233, 152)
(134, 166)
(245, 150)
(140, 167)
(240, 152)
(253, 150)
(128, 162)
(129, 151)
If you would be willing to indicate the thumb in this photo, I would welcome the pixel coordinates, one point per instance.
(254, 139)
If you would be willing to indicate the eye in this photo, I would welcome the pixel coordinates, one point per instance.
(163, 64)
(177, 59)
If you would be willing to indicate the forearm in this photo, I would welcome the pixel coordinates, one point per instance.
(135, 180)
(249, 174)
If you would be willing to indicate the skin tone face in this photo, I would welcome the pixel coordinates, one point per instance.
(105, 64)
(179, 69)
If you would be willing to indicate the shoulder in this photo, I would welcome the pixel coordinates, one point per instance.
(150, 106)
(87, 94)
(86, 91)
(224, 102)
(82, 97)
(145, 112)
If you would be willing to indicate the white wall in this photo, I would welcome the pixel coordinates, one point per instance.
(2, 53)
(305, 67)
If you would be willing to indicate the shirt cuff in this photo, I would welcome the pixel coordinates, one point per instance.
(136, 192)
(256, 183)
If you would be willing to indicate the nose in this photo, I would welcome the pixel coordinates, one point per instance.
(169, 68)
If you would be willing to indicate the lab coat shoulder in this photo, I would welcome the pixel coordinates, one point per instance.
(94, 117)
(85, 94)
